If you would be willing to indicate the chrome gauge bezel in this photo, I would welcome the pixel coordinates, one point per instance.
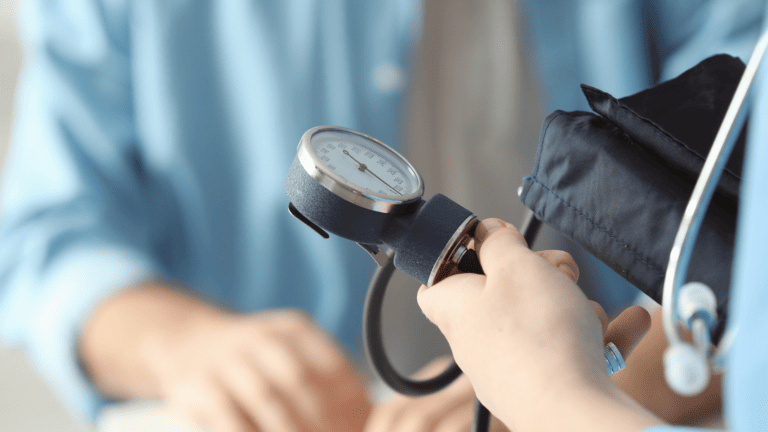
(347, 190)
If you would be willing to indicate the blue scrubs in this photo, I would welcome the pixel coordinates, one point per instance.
(152, 139)
(746, 379)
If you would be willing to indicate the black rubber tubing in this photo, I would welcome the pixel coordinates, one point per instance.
(374, 344)
(373, 339)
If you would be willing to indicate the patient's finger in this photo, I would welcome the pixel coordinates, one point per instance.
(628, 329)
(601, 315)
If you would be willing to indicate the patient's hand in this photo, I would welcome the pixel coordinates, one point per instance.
(273, 371)
(643, 380)
(450, 410)
(529, 339)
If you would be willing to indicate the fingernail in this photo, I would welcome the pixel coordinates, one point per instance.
(493, 224)
(486, 227)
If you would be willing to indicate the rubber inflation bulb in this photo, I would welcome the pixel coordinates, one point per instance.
(686, 369)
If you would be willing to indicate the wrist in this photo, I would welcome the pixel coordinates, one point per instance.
(174, 317)
(132, 332)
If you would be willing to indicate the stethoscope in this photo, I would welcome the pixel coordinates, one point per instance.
(688, 366)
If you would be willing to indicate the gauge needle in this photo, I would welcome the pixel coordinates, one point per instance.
(363, 167)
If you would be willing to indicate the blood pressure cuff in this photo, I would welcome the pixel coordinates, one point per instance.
(617, 182)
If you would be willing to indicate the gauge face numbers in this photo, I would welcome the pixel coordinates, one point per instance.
(364, 163)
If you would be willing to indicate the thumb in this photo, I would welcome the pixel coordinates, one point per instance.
(449, 300)
(628, 329)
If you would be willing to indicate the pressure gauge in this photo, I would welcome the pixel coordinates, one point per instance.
(359, 169)
(347, 183)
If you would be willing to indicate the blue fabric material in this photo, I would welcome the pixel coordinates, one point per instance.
(746, 381)
(152, 139)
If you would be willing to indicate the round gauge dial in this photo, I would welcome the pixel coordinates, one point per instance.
(360, 169)
(366, 164)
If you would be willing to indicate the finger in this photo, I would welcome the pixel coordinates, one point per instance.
(498, 244)
(628, 329)
(563, 261)
(447, 301)
(404, 413)
(221, 414)
(272, 353)
(336, 374)
(424, 414)
(601, 315)
(335, 391)
(383, 417)
(289, 379)
(318, 349)
(256, 396)
(487, 226)
(458, 420)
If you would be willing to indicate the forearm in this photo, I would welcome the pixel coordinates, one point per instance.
(115, 343)
(609, 412)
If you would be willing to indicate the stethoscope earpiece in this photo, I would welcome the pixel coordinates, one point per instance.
(697, 301)
(686, 369)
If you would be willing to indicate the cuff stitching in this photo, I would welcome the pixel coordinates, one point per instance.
(635, 254)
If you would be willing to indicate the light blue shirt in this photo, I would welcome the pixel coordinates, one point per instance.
(152, 139)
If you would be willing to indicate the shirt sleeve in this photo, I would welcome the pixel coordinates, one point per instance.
(75, 217)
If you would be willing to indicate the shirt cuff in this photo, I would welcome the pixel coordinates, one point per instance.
(80, 281)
